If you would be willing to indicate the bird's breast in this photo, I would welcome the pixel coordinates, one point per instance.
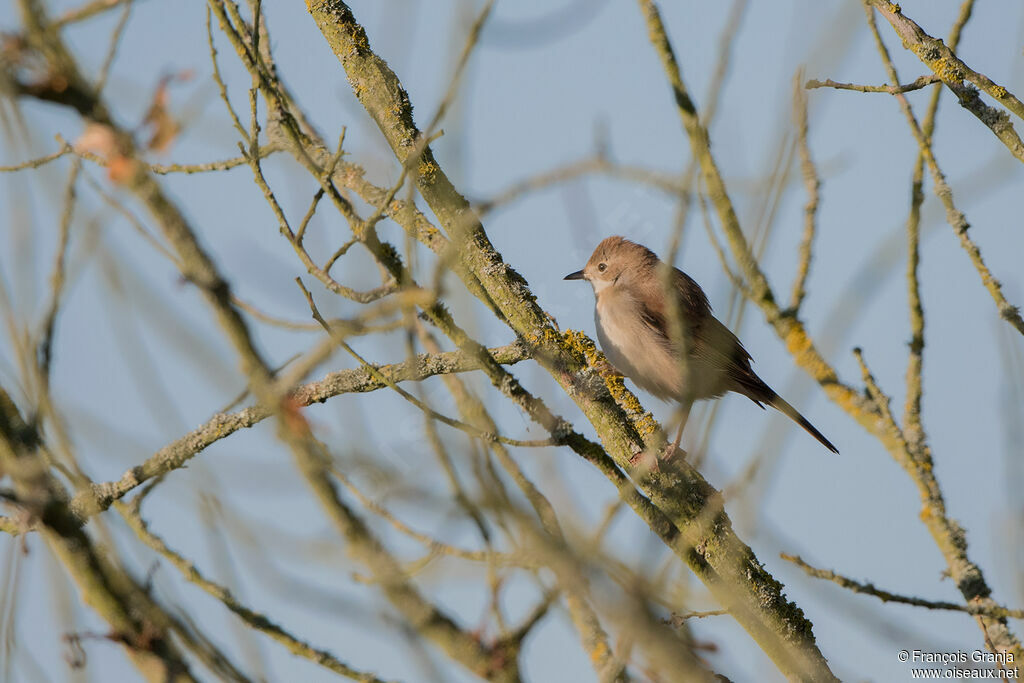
(633, 348)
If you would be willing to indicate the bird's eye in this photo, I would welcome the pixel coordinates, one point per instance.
(601, 267)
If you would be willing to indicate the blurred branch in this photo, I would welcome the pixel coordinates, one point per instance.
(496, 661)
(491, 435)
(250, 617)
(137, 622)
(432, 543)
(176, 454)
(58, 276)
(73, 90)
(41, 161)
(593, 165)
(87, 11)
(460, 68)
(574, 585)
(812, 184)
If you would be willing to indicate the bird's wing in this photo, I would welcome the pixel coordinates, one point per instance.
(710, 345)
(693, 304)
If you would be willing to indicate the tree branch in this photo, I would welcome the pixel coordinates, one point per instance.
(934, 54)
(174, 455)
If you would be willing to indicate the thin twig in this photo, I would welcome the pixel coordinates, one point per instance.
(812, 184)
(912, 427)
(41, 161)
(996, 612)
(678, 619)
(58, 275)
(379, 376)
(917, 84)
(86, 11)
(210, 166)
(318, 195)
(434, 544)
(879, 398)
(250, 617)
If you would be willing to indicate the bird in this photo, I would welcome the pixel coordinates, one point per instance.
(635, 325)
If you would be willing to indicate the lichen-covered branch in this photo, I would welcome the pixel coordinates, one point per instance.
(941, 59)
(954, 216)
(137, 622)
(175, 454)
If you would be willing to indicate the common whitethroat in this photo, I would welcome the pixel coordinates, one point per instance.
(679, 352)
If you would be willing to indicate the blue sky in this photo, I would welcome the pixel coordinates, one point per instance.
(531, 102)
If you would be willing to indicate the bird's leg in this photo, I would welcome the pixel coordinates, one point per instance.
(684, 416)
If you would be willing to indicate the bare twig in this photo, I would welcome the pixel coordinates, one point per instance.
(912, 428)
(41, 161)
(812, 184)
(995, 611)
(917, 84)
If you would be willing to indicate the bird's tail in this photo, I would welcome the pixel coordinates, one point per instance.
(780, 404)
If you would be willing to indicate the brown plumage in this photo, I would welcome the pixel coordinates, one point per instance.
(633, 326)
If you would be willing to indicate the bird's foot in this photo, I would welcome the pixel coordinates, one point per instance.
(671, 451)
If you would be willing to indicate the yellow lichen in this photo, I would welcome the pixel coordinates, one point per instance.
(427, 169)
(998, 92)
(945, 69)
(579, 343)
(546, 336)
(643, 421)
(797, 341)
(582, 345)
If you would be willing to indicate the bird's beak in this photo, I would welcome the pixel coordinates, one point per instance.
(578, 275)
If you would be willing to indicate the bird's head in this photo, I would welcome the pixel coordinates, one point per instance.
(616, 261)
